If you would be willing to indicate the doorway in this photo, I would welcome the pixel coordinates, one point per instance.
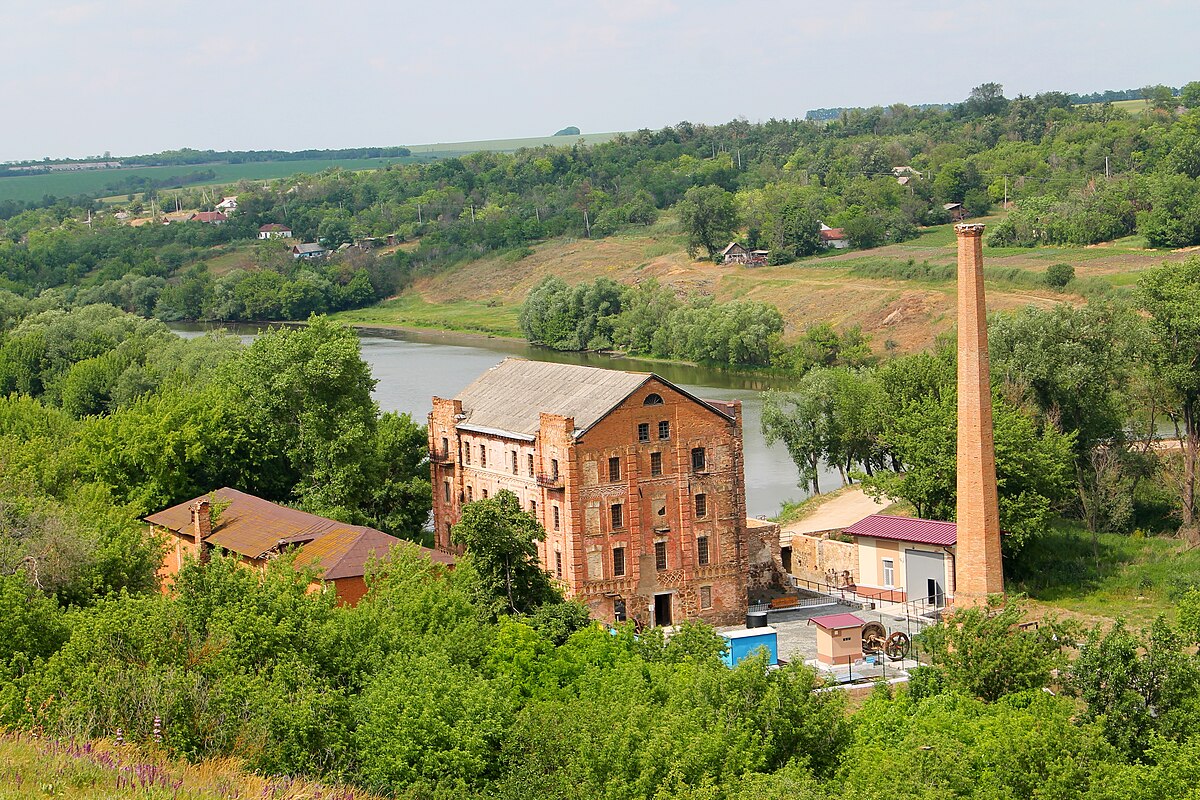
(662, 610)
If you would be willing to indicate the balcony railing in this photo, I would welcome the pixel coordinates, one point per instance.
(551, 480)
(439, 456)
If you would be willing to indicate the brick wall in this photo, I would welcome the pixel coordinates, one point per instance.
(817, 558)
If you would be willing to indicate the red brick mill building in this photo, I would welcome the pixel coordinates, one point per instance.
(638, 484)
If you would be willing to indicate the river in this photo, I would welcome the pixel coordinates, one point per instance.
(413, 366)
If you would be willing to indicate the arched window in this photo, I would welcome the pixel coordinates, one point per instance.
(652, 400)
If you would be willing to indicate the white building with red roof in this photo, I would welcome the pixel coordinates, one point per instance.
(902, 559)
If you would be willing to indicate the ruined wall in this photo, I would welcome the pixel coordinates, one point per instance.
(818, 558)
(765, 573)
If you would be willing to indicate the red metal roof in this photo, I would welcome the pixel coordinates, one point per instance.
(906, 529)
(208, 216)
(833, 233)
(832, 621)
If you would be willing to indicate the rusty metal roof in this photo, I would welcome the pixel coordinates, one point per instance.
(835, 621)
(345, 552)
(512, 395)
(906, 529)
(253, 527)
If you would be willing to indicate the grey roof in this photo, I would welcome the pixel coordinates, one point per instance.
(308, 247)
(511, 395)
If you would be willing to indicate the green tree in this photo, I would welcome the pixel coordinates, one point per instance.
(1170, 295)
(988, 653)
(501, 541)
(309, 393)
(1137, 687)
(1189, 95)
(709, 218)
(1059, 275)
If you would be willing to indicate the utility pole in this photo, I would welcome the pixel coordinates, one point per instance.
(419, 220)
(1006, 191)
(1106, 167)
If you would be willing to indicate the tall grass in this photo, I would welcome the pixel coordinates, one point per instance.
(32, 767)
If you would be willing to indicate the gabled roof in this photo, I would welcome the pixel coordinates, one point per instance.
(511, 396)
(253, 527)
(308, 247)
(951, 206)
(345, 552)
(834, 621)
(906, 529)
(273, 226)
(730, 246)
(208, 216)
(829, 234)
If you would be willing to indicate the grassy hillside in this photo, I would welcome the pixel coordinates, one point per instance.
(903, 295)
(33, 768)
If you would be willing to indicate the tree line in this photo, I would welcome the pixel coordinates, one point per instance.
(1076, 173)
(652, 320)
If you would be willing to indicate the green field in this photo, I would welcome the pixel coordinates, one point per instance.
(67, 184)
(443, 149)
(411, 311)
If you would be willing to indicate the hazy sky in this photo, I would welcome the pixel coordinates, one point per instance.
(136, 76)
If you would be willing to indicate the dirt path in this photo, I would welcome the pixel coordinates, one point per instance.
(842, 511)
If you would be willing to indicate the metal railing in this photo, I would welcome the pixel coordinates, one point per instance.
(551, 481)
(921, 608)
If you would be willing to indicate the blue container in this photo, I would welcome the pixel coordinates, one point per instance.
(747, 642)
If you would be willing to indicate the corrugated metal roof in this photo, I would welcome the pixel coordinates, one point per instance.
(252, 527)
(345, 552)
(511, 395)
(906, 529)
(832, 621)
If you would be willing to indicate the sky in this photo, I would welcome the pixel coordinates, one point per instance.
(81, 77)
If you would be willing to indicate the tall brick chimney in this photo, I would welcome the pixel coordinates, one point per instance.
(978, 571)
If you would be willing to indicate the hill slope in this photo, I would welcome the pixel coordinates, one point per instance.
(903, 295)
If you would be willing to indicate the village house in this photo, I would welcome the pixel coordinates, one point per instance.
(227, 205)
(274, 230)
(736, 253)
(833, 237)
(209, 217)
(309, 250)
(638, 484)
(956, 211)
(257, 530)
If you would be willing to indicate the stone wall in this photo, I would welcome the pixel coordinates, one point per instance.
(817, 558)
(765, 574)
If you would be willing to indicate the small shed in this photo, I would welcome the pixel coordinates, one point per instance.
(956, 211)
(746, 642)
(735, 253)
(839, 638)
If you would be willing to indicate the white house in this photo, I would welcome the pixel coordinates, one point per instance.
(902, 559)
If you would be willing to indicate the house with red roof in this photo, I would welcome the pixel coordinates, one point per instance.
(257, 530)
(274, 230)
(834, 237)
(208, 217)
(903, 559)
